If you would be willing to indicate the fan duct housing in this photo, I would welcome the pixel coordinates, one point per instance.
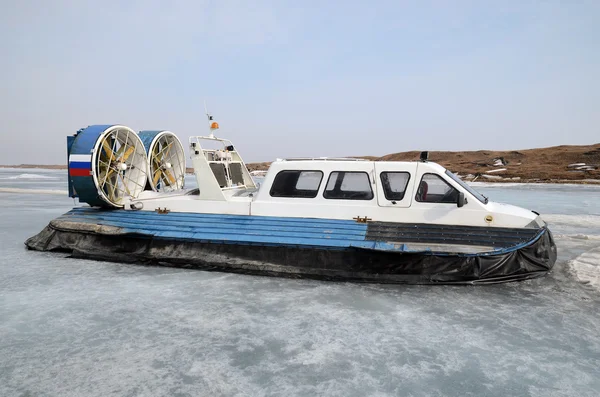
(166, 160)
(107, 165)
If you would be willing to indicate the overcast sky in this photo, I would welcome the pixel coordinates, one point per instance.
(302, 78)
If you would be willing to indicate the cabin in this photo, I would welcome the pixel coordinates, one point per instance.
(418, 192)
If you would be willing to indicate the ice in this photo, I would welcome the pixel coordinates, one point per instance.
(502, 185)
(577, 200)
(33, 191)
(32, 176)
(83, 328)
(593, 185)
(586, 267)
(33, 179)
(582, 221)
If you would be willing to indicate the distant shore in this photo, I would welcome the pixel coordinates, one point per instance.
(36, 166)
(470, 179)
(557, 164)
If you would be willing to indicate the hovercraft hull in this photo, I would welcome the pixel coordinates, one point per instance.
(297, 247)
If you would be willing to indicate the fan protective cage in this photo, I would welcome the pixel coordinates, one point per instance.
(119, 165)
(166, 163)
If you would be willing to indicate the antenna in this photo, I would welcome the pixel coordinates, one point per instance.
(212, 125)
(209, 119)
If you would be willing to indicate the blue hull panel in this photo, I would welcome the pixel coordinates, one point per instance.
(215, 228)
(302, 232)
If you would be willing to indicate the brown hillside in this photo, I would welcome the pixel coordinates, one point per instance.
(542, 165)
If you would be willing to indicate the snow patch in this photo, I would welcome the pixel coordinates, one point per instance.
(497, 177)
(586, 267)
(32, 176)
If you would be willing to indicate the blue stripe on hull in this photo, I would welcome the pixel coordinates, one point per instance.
(218, 228)
(232, 229)
(79, 164)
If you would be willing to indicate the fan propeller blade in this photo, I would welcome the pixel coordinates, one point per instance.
(157, 154)
(109, 187)
(108, 149)
(128, 152)
(104, 175)
(156, 177)
(124, 184)
(168, 149)
(171, 177)
(120, 151)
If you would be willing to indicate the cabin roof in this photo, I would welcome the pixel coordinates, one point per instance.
(327, 160)
(331, 163)
(322, 159)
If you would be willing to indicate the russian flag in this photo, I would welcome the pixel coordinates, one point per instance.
(80, 164)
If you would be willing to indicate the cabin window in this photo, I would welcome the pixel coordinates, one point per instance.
(237, 176)
(394, 184)
(468, 188)
(300, 184)
(433, 189)
(348, 186)
(218, 170)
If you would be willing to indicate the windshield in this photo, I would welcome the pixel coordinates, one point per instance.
(468, 188)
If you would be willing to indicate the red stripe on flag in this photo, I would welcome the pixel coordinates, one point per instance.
(79, 172)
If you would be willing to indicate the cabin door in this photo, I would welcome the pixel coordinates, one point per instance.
(395, 183)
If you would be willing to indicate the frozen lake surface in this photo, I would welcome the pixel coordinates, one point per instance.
(83, 328)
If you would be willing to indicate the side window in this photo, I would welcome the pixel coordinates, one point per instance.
(303, 184)
(348, 186)
(394, 184)
(433, 189)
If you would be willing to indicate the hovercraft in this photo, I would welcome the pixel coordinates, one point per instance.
(325, 218)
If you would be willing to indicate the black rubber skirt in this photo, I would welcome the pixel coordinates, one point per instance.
(532, 259)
